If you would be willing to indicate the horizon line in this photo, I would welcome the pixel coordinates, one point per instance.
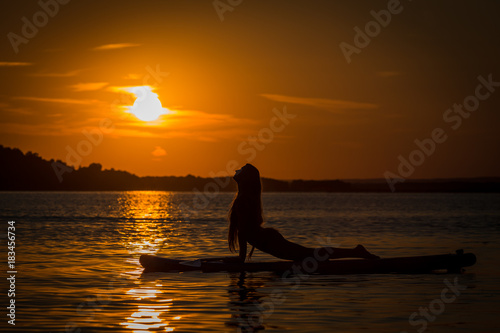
(381, 179)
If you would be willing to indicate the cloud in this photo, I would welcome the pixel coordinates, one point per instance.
(66, 74)
(52, 129)
(58, 100)
(158, 152)
(114, 46)
(20, 110)
(23, 111)
(91, 86)
(332, 105)
(191, 119)
(188, 124)
(128, 89)
(178, 124)
(205, 135)
(131, 89)
(132, 77)
(14, 64)
(54, 115)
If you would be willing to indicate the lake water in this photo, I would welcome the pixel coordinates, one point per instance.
(78, 270)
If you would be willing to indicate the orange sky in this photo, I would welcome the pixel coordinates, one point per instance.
(225, 81)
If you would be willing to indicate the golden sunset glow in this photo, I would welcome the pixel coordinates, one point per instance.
(152, 316)
(205, 86)
(249, 166)
(144, 208)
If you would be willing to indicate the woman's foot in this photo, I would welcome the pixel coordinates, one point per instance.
(363, 253)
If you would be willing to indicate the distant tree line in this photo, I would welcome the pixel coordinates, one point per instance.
(30, 172)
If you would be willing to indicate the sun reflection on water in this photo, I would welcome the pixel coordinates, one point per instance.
(147, 215)
(152, 312)
(149, 219)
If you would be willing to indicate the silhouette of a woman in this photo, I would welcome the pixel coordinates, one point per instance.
(245, 226)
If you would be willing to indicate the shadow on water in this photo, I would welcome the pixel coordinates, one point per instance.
(245, 302)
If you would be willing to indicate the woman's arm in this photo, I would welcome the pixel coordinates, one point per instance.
(242, 243)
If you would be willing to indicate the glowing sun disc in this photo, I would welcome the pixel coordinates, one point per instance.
(147, 106)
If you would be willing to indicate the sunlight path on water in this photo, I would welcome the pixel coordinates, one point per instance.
(144, 213)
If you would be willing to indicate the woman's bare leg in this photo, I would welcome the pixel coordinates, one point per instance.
(358, 252)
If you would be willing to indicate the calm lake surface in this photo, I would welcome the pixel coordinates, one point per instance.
(78, 270)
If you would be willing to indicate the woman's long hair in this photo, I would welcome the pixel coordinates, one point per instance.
(246, 208)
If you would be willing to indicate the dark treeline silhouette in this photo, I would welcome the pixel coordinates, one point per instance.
(30, 172)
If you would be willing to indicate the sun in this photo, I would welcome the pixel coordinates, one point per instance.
(147, 106)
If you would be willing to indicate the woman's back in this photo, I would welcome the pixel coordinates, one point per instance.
(271, 241)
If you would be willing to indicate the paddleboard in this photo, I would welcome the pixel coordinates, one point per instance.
(410, 265)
